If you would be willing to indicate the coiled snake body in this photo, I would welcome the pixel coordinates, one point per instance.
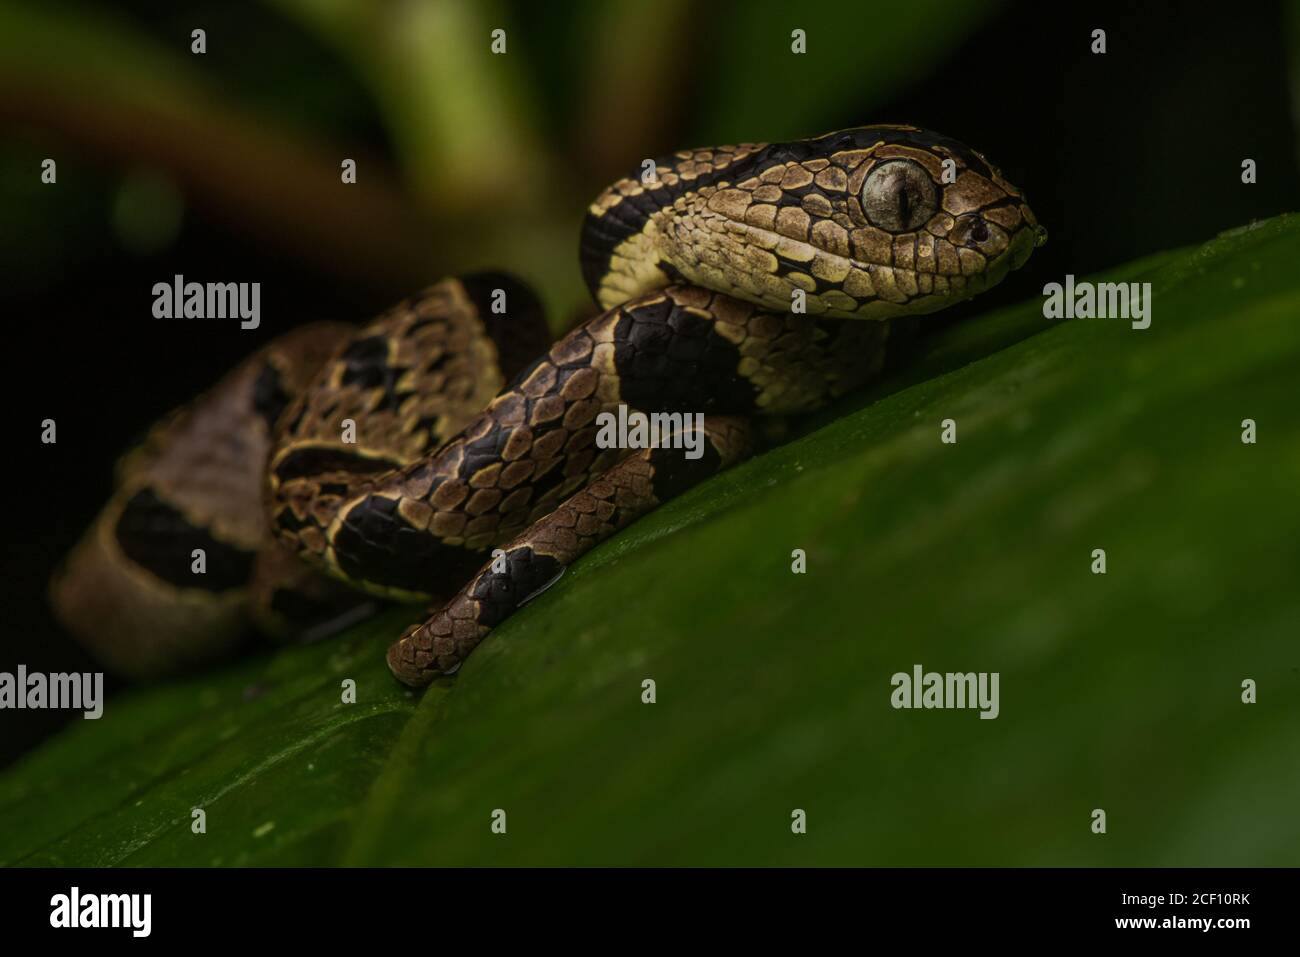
(395, 458)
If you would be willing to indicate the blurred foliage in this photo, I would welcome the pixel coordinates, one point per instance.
(482, 160)
(1293, 60)
(1119, 691)
(147, 212)
(878, 49)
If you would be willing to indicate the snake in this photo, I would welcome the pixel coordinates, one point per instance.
(447, 452)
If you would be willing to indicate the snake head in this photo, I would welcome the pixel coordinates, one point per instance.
(869, 222)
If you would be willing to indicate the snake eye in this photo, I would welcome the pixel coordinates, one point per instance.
(899, 196)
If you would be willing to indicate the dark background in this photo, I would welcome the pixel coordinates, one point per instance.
(1121, 155)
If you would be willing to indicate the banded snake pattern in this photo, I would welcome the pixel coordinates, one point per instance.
(469, 435)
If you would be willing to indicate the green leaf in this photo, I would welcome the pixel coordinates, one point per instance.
(266, 748)
(1119, 691)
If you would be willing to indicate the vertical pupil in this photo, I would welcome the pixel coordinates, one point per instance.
(904, 205)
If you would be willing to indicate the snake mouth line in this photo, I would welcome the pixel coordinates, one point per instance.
(883, 293)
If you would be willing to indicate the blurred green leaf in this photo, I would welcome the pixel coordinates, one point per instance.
(860, 54)
(73, 41)
(96, 89)
(1119, 691)
(457, 111)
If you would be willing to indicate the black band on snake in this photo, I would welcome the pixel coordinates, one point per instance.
(739, 281)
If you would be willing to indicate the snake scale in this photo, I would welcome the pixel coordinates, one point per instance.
(472, 476)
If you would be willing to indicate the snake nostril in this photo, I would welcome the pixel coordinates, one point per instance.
(980, 231)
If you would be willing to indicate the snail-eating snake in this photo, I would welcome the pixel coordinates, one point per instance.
(430, 455)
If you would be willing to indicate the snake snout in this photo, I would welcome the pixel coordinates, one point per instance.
(1026, 241)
